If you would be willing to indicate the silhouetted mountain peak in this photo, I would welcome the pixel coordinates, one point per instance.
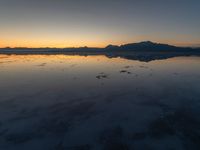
(147, 43)
(143, 43)
(111, 46)
(144, 46)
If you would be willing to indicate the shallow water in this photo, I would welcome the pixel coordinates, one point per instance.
(72, 102)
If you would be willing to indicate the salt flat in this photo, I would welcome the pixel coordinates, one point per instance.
(73, 102)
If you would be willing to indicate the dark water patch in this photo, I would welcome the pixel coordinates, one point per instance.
(113, 97)
(67, 113)
(175, 73)
(125, 71)
(127, 67)
(160, 128)
(182, 123)
(136, 75)
(80, 147)
(112, 139)
(152, 102)
(102, 76)
(3, 132)
(59, 146)
(139, 136)
(26, 114)
(19, 138)
(56, 126)
(75, 109)
(24, 136)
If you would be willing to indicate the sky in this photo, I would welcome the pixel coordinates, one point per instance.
(97, 23)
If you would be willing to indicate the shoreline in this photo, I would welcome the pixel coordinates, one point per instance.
(145, 56)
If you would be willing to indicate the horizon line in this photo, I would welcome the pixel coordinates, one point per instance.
(177, 45)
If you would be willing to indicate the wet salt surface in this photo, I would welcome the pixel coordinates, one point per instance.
(66, 102)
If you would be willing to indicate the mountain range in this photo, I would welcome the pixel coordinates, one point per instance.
(145, 46)
(148, 46)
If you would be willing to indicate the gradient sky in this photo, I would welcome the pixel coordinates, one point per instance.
(74, 23)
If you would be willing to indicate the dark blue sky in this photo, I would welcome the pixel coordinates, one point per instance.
(64, 23)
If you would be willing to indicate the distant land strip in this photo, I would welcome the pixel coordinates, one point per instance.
(143, 51)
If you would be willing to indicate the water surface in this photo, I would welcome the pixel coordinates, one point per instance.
(72, 102)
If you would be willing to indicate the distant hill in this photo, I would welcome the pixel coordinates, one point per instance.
(148, 46)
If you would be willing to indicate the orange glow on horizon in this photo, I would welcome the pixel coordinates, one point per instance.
(78, 43)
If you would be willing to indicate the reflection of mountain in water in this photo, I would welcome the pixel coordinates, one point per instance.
(148, 51)
(150, 56)
(143, 51)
